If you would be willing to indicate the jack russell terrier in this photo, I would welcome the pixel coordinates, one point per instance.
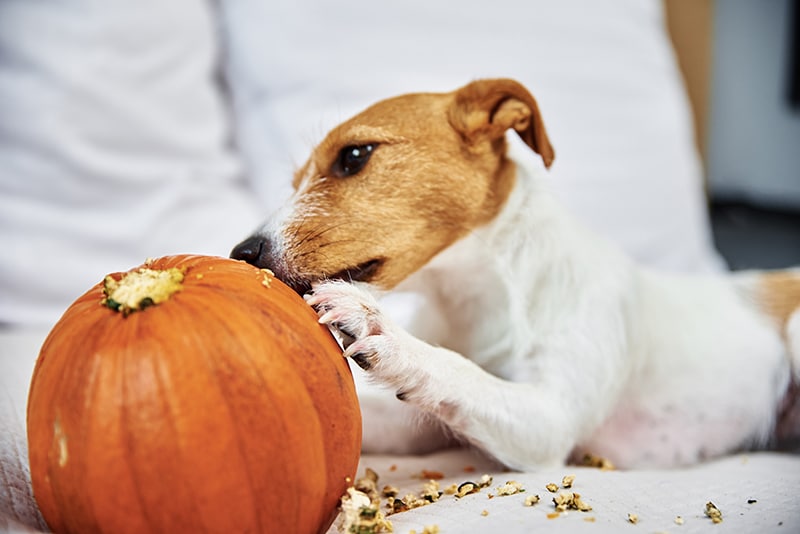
(553, 343)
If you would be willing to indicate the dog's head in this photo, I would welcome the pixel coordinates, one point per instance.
(393, 186)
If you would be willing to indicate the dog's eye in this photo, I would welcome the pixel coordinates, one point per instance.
(351, 160)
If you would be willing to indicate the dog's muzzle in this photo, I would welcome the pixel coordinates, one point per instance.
(259, 251)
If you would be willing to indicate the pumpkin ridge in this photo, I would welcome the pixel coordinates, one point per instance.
(128, 438)
(67, 374)
(309, 349)
(245, 357)
(49, 416)
(242, 353)
(192, 347)
(213, 368)
(92, 387)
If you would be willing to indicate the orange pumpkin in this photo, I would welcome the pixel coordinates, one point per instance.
(219, 406)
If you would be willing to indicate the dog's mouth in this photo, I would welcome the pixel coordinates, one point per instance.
(363, 272)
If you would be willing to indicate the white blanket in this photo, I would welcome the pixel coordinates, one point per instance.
(656, 497)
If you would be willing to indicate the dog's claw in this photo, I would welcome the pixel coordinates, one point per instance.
(345, 332)
(345, 337)
(328, 318)
(362, 360)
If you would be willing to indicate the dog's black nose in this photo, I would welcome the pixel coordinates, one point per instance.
(254, 250)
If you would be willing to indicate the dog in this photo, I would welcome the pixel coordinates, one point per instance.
(551, 343)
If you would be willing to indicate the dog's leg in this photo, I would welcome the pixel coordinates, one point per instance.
(522, 425)
(391, 427)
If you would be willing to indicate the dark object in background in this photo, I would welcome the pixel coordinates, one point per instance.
(794, 56)
(749, 237)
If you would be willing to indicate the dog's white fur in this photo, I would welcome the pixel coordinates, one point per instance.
(548, 341)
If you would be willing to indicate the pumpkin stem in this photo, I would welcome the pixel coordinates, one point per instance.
(141, 288)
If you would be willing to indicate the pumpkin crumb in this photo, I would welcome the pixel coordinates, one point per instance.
(431, 475)
(510, 488)
(530, 500)
(430, 491)
(466, 488)
(361, 516)
(141, 288)
(567, 500)
(268, 276)
(389, 491)
(713, 512)
(590, 460)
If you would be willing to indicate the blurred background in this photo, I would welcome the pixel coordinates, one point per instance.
(131, 130)
(741, 60)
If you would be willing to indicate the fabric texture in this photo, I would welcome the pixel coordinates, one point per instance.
(114, 147)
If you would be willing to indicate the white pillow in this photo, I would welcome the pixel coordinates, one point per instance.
(604, 74)
(114, 146)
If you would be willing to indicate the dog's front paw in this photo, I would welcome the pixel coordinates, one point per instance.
(354, 313)
(391, 356)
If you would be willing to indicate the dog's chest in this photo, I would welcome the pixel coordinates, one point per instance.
(477, 318)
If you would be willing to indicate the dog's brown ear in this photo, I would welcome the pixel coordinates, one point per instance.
(488, 108)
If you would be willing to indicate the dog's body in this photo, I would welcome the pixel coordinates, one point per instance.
(555, 342)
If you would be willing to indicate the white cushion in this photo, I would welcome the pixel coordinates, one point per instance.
(114, 146)
(604, 74)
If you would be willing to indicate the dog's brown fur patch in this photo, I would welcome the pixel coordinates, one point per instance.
(779, 295)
